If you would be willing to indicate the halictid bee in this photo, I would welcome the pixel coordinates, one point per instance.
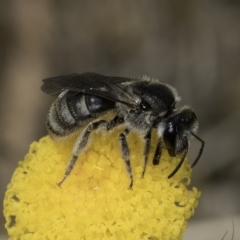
(139, 104)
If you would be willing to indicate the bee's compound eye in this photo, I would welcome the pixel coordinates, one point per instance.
(145, 106)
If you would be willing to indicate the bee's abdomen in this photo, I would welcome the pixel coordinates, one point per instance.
(71, 112)
(57, 124)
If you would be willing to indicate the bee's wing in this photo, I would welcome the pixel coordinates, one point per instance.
(111, 88)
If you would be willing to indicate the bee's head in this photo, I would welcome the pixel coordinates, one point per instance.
(177, 129)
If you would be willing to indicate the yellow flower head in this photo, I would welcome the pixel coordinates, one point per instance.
(94, 202)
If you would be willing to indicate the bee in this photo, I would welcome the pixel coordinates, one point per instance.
(140, 105)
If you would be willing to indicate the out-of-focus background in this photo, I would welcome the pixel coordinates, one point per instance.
(193, 45)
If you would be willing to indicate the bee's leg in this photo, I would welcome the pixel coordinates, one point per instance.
(115, 122)
(147, 139)
(126, 154)
(158, 152)
(80, 146)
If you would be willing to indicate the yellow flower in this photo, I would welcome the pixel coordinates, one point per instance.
(94, 202)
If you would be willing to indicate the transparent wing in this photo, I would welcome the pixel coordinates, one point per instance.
(112, 88)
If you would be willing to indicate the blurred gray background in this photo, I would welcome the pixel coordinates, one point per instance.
(193, 45)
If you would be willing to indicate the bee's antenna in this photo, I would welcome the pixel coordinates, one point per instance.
(179, 164)
(200, 151)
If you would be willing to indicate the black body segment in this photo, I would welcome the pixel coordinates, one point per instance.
(158, 96)
(96, 105)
